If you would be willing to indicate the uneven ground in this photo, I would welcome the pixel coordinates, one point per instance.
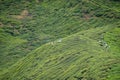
(60, 40)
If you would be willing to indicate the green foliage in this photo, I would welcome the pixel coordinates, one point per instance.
(77, 56)
(81, 24)
(113, 39)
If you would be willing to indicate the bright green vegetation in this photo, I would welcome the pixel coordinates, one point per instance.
(8, 44)
(60, 40)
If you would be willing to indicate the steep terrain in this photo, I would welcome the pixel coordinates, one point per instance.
(60, 40)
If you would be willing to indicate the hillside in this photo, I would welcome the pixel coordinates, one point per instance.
(75, 57)
(60, 40)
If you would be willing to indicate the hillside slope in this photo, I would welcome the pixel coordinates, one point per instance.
(76, 57)
(42, 36)
(38, 23)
